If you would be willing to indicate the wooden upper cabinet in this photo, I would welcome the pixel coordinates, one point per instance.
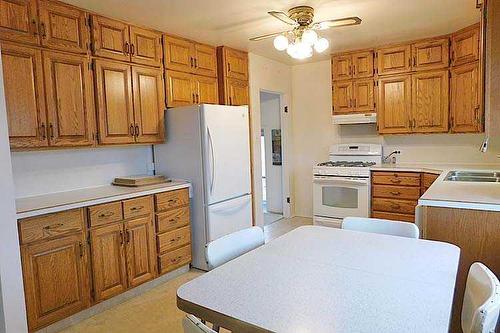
(235, 64)
(205, 60)
(24, 96)
(56, 280)
(18, 21)
(342, 97)
(394, 59)
(178, 54)
(362, 65)
(466, 115)
(342, 67)
(206, 90)
(145, 46)
(363, 91)
(110, 38)
(465, 45)
(179, 88)
(108, 261)
(431, 54)
(394, 104)
(430, 102)
(115, 110)
(63, 27)
(70, 103)
(140, 250)
(149, 104)
(237, 92)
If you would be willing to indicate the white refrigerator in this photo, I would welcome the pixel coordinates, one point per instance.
(209, 146)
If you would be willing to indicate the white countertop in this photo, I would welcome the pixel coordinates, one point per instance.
(313, 279)
(56, 202)
(453, 194)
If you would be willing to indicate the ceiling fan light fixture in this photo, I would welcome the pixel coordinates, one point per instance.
(299, 50)
(310, 37)
(321, 45)
(280, 43)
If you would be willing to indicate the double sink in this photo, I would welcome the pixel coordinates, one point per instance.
(474, 176)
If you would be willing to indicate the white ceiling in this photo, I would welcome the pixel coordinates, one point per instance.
(232, 22)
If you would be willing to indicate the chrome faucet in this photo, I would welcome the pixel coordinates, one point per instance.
(393, 160)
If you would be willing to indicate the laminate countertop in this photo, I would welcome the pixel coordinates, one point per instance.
(453, 194)
(60, 201)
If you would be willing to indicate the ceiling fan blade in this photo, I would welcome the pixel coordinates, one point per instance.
(255, 39)
(282, 17)
(323, 25)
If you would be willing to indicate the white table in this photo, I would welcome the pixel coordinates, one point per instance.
(317, 279)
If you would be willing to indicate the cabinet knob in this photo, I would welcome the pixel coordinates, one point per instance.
(43, 32)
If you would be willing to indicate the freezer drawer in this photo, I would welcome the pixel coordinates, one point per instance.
(229, 216)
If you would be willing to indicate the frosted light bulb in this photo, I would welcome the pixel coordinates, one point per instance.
(280, 43)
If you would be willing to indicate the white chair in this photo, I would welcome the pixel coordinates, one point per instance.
(481, 300)
(191, 324)
(380, 226)
(228, 247)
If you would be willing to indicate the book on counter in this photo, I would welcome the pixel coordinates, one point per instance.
(140, 180)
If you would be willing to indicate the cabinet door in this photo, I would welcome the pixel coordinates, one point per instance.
(237, 92)
(108, 261)
(394, 104)
(465, 46)
(70, 103)
(362, 65)
(145, 46)
(24, 96)
(140, 250)
(363, 95)
(465, 107)
(394, 60)
(205, 60)
(206, 90)
(149, 104)
(18, 21)
(63, 27)
(56, 280)
(115, 111)
(180, 89)
(236, 63)
(179, 54)
(110, 38)
(432, 54)
(342, 97)
(342, 67)
(430, 102)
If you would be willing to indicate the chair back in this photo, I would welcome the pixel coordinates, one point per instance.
(481, 300)
(191, 324)
(380, 226)
(228, 247)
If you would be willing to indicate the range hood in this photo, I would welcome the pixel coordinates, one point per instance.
(355, 118)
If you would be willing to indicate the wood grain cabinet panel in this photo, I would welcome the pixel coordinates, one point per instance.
(115, 110)
(393, 216)
(430, 102)
(174, 259)
(237, 92)
(396, 192)
(105, 213)
(149, 104)
(136, 207)
(178, 54)
(394, 60)
(342, 67)
(206, 89)
(70, 101)
(179, 89)
(172, 219)
(205, 60)
(173, 239)
(63, 27)
(145, 48)
(466, 112)
(56, 280)
(24, 96)
(110, 38)
(363, 93)
(171, 199)
(236, 64)
(342, 96)
(431, 54)
(394, 104)
(51, 226)
(465, 46)
(362, 65)
(18, 21)
(396, 178)
(394, 205)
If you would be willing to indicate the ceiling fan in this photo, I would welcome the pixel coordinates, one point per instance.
(302, 38)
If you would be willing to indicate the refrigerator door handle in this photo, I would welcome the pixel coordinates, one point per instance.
(229, 209)
(212, 166)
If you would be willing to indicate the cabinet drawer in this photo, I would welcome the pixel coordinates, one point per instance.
(393, 216)
(394, 206)
(174, 259)
(397, 192)
(173, 239)
(105, 213)
(396, 178)
(51, 225)
(428, 179)
(172, 199)
(137, 207)
(172, 219)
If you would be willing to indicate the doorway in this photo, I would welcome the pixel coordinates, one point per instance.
(271, 156)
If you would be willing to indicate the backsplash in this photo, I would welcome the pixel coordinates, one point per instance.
(62, 170)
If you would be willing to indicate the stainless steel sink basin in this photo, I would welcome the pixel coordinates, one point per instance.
(474, 176)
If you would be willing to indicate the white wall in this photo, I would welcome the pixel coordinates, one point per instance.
(273, 76)
(270, 119)
(62, 170)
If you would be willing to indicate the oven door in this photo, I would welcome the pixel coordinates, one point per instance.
(340, 197)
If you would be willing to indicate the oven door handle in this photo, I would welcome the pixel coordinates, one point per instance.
(330, 181)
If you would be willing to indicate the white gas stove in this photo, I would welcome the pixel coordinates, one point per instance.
(342, 185)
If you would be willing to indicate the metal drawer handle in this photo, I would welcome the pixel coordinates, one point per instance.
(396, 180)
(106, 214)
(178, 238)
(137, 208)
(53, 226)
(395, 193)
(175, 260)
(395, 206)
(172, 200)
